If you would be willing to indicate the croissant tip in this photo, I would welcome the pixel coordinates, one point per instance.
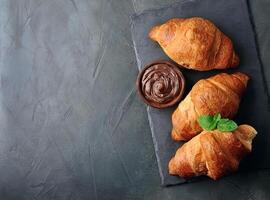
(251, 129)
(175, 136)
(242, 76)
(235, 60)
(152, 33)
(172, 167)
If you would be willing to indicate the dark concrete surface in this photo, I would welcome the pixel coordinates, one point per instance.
(71, 124)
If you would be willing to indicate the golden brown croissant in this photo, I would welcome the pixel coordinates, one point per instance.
(195, 43)
(212, 153)
(218, 94)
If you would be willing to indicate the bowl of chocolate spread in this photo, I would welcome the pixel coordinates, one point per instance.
(161, 84)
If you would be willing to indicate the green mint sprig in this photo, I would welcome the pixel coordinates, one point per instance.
(208, 122)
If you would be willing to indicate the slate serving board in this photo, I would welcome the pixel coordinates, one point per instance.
(233, 18)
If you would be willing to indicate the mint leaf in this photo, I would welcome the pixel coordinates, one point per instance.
(224, 120)
(216, 119)
(208, 122)
(217, 116)
(226, 125)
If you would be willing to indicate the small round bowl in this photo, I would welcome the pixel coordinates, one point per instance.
(177, 76)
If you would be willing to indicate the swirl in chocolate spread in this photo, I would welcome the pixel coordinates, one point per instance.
(160, 83)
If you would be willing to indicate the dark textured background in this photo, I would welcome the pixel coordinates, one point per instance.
(71, 124)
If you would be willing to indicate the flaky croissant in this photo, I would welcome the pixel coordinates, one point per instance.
(195, 43)
(218, 94)
(212, 153)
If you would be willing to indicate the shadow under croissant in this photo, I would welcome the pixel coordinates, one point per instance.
(199, 179)
(190, 180)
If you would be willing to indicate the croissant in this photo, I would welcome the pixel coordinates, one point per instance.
(218, 94)
(195, 43)
(212, 153)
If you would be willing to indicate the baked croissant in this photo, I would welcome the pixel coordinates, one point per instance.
(218, 94)
(212, 153)
(195, 43)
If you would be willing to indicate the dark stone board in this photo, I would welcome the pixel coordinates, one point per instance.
(233, 18)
